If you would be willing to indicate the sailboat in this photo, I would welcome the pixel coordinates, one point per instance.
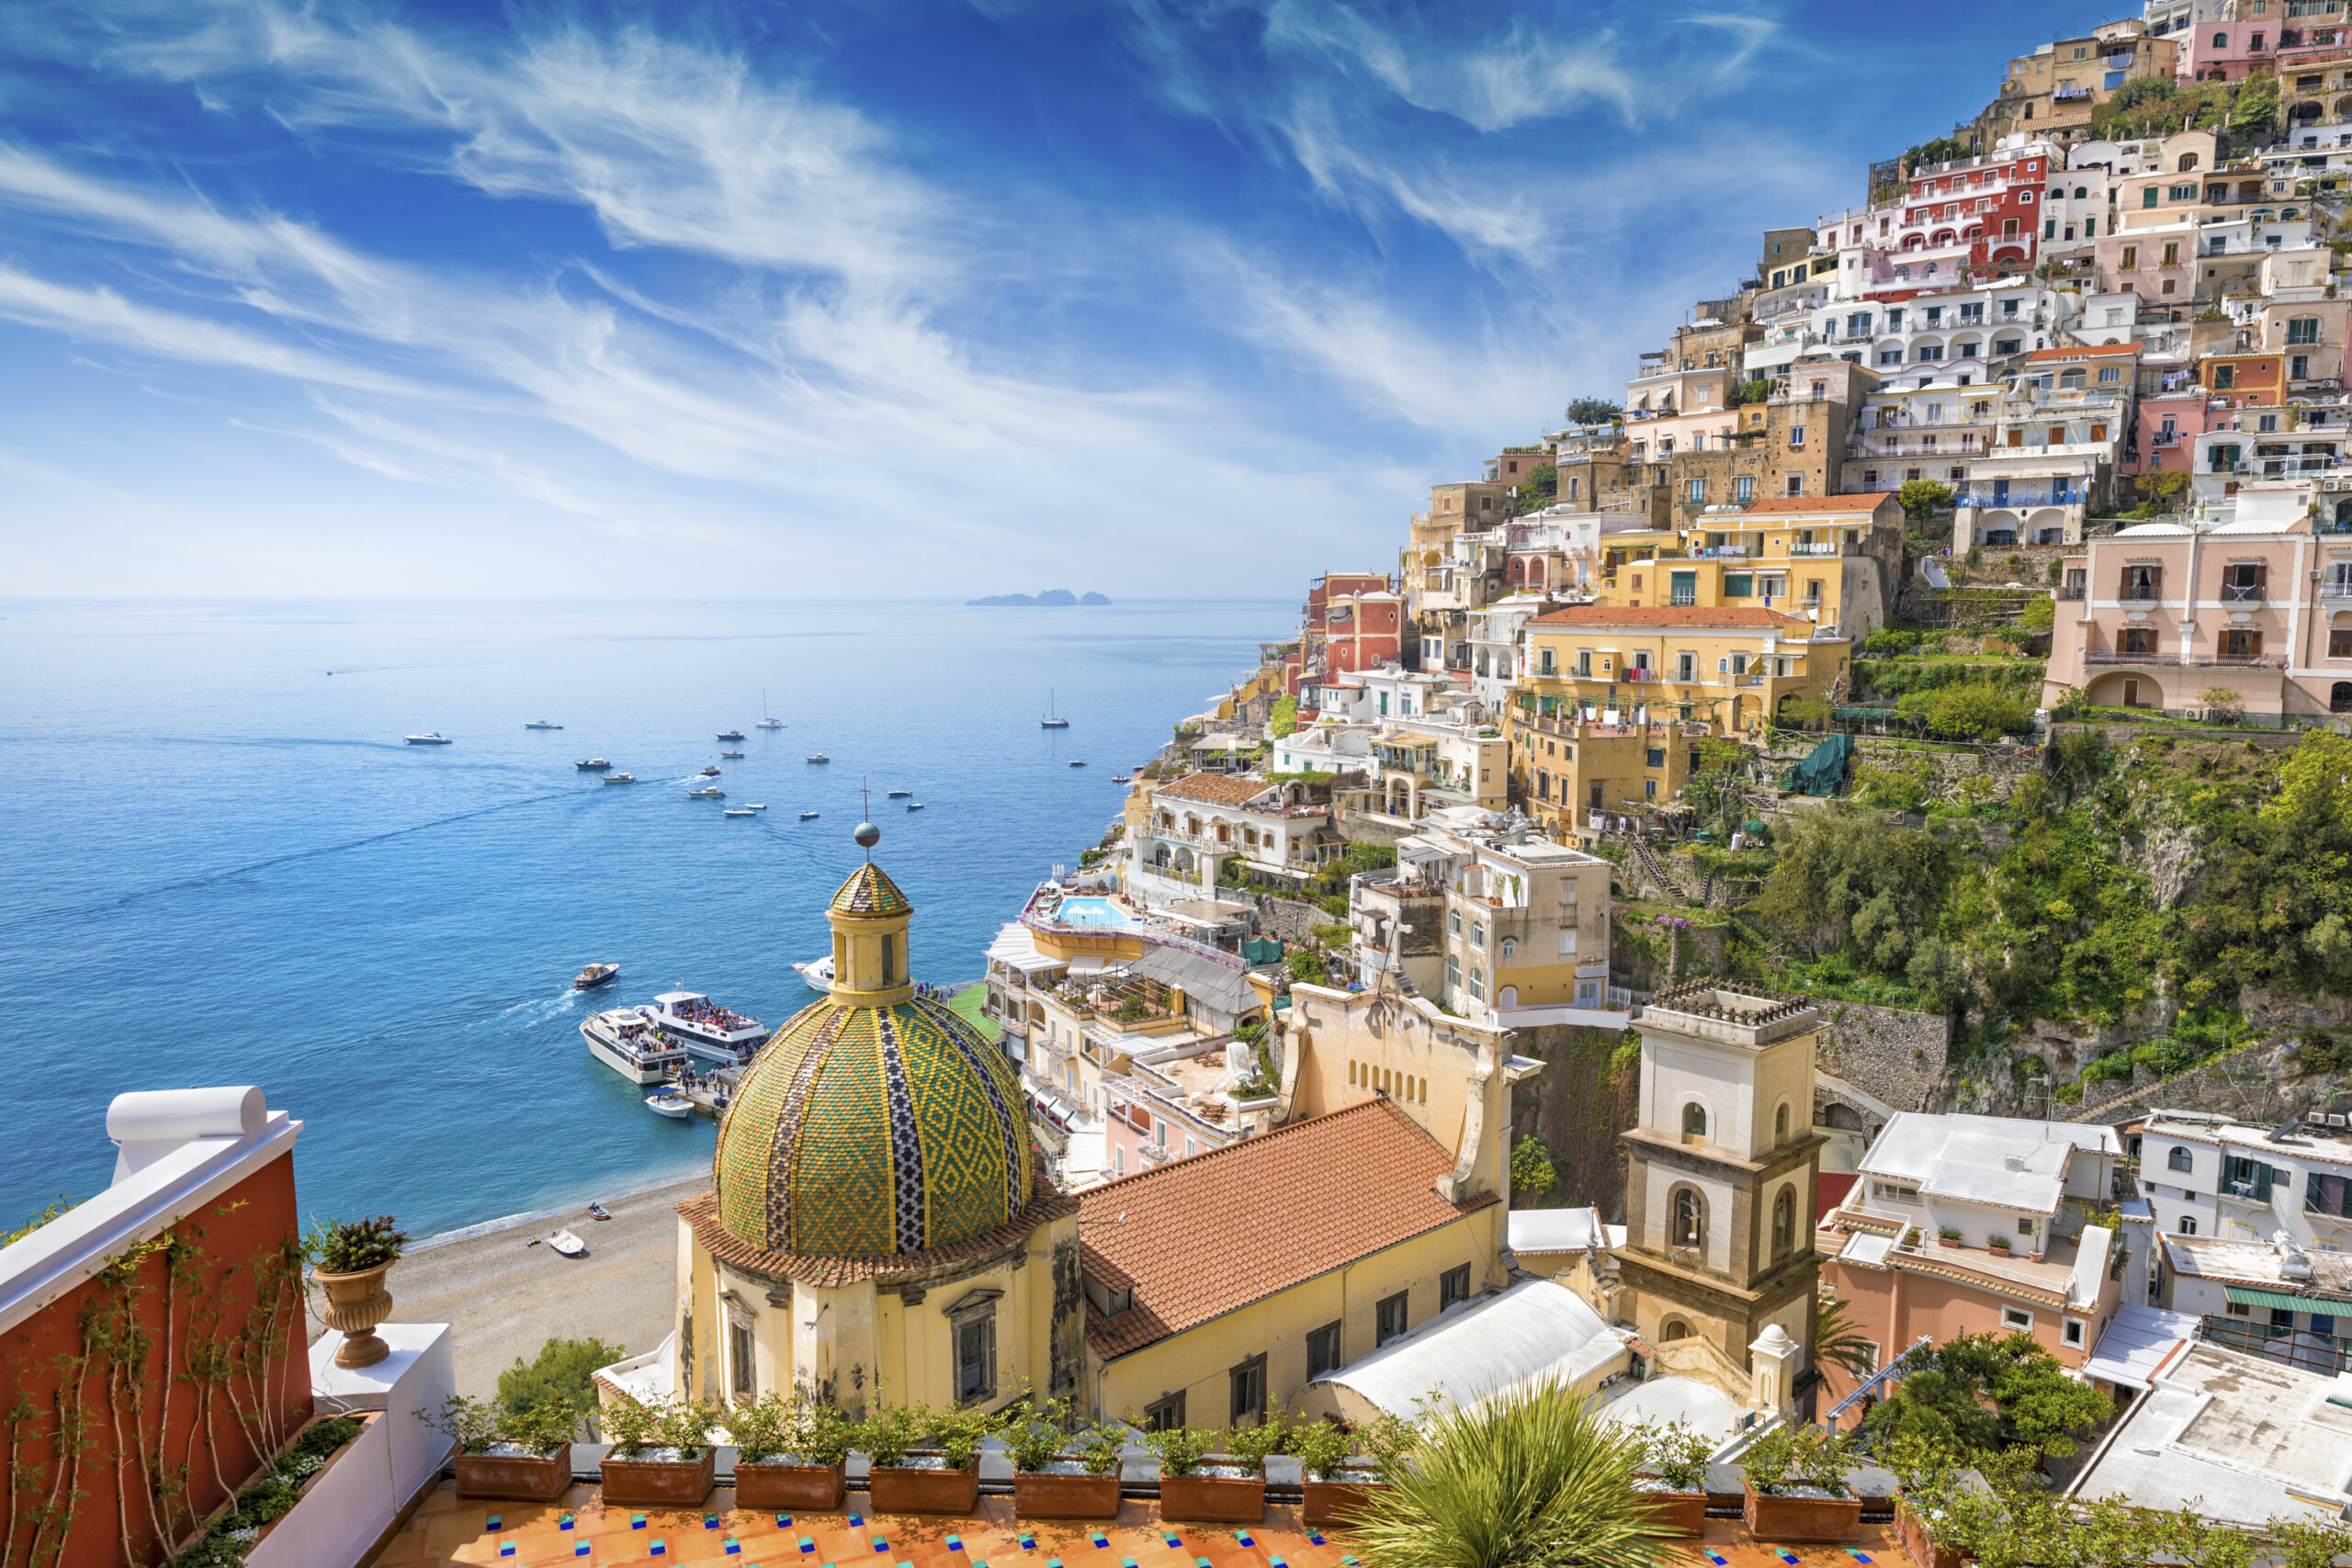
(1051, 721)
(767, 719)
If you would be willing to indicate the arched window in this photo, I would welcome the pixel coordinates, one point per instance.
(2080, 192)
(2221, 40)
(1511, 946)
(2339, 697)
(1673, 1328)
(1690, 1219)
(2178, 1159)
(1780, 1123)
(1784, 1222)
(2188, 1226)
(1694, 1120)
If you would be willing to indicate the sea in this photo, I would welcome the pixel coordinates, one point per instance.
(225, 867)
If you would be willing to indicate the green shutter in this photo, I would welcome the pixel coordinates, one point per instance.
(1742, 586)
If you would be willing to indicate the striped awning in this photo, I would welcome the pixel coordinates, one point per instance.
(2326, 1306)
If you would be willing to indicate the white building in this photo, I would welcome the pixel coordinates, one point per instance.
(1976, 1178)
(2210, 1177)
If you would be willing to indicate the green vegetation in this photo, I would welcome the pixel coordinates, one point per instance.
(1284, 718)
(1837, 1343)
(63, 1202)
(1754, 391)
(269, 1496)
(1306, 967)
(1923, 498)
(1531, 1172)
(1593, 410)
(1984, 1393)
(2160, 105)
(1540, 487)
(350, 1246)
(1942, 150)
(1976, 710)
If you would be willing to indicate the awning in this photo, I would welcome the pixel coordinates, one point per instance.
(2326, 1306)
(2136, 1342)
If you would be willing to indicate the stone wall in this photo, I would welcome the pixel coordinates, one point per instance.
(1293, 921)
(1358, 828)
(2004, 766)
(1892, 1053)
(1577, 1106)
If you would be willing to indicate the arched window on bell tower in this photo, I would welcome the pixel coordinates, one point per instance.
(1694, 1123)
(1690, 1220)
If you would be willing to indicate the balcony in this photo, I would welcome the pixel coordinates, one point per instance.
(2140, 593)
(2105, 659)
(1819, 547)
(2073, 590)
(2236, 662)
(2241, 592)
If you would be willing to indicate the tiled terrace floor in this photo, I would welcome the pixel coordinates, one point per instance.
(579, 1532)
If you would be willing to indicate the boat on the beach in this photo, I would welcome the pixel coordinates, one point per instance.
(821, 757)
(432, 737)
(818, 972)
(1052, 720)
(595, 974)
(620, 778)
(707, 792)
(731, 735)
(670, 1104)
(807, 816)
(593, 765)
(707, 1029)
(543, 724)
(568, 1244)
(626, 1040)
(738, 811)
(598, 1212)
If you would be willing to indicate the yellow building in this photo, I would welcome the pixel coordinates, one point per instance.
(878, 1216)
(1729, 667)
(1566, 767)
(1833, 560)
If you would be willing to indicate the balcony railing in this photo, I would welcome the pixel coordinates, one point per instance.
(2138, 594)
(1819, 547)
(2073, 590)
(2242, 592)
(2125, 658)
(2236, 661)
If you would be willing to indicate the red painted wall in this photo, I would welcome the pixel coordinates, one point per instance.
(127, 1347)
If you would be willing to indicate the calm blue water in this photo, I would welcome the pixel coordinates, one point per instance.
(224, 866)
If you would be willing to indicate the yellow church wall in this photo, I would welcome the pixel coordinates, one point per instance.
(1199, 1361)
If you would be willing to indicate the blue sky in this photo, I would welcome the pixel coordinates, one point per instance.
(1158, 297)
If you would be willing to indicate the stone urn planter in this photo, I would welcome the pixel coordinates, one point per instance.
(1919, 1542)
(1214, 1499)
(901, 1489)
(1679, 1516)
(1065, 1494)
(777, 1487)
(357, 1302)
(1808, 1515)
(1337, 1502)
(518, 1478)
(660, 1483)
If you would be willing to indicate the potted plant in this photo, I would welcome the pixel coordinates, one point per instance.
(524, 1458)
(790, 1454)
(1948, 1236)
(1190, 1490)
(949, 1485)
(1795, 1487)
(1997, 1242)
(349, 1258)
(1675, 1461)
(660, 1456)
(1057, 1475)
(1911, 1237)
(1336, 1487)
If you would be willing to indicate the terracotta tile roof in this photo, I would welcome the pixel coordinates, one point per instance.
(1634, 617)
(1216, 789)
(2083, 350)
(701, 1214)
(1816, 505)
(1200, 1237)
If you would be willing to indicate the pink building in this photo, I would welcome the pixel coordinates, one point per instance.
(2254, 598)
(2169, 424)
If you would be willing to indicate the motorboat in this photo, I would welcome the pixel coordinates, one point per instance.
(568, 1244)
(897, 794)
(807, 816)
(818, 972)
(670, 1104)
(1052, 720)
(435, 739)
(914, 805)
(593, 975)
(708, 792)
(593, 765)
(767, 719)
(627, 1039)
(756, 806)
(543, 724)
(710, 772)
(620, 778)
(598, 1212)
(738, 811)
(1123, 778)
(821, 757)
(707, 1029)
(1075, 762)
(731, 735)
(738, 756)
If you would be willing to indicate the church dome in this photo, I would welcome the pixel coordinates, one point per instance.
(874, 1121)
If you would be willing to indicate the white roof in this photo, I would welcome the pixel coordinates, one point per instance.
(1562, 1230)
(1016, 948)
(2144, 530)
(1968, 1158)
(2238, 1437)
(2135, 1342)
(1704, 1408)
(1495, 1343)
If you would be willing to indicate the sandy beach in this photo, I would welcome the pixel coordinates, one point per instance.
(504, 1299)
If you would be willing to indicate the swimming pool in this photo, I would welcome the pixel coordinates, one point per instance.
(1093, 912)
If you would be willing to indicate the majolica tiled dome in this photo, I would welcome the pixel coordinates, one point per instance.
(863, 1130)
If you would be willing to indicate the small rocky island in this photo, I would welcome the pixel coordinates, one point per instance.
(1051, 596)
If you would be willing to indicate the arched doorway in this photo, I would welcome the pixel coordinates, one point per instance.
(2339, 697)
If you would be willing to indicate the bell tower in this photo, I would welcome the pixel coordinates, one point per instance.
(1720, 1170)
(870, 917)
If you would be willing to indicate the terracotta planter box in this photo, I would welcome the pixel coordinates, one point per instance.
(1679, 1516)
(518, 1478)
(1336, 1502)
(897, 1491)
(1213, 1499)
(660, 1483)
(1829, 1519)
(1066, 1496)
(1919, 1545)
(1946, 1241)
(781, 1488)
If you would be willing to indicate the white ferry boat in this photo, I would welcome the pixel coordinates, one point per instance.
(707, 1029)
(626, 1040)
(434, 738)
